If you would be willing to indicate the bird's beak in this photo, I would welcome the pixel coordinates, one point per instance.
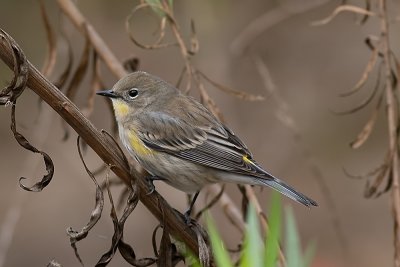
(108, 93)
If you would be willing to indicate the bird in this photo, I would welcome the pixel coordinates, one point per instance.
(176, 139)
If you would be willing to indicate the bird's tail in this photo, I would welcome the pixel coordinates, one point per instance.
(286, 190)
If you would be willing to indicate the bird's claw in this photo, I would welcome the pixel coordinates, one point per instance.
(186, 215)
(152, 188)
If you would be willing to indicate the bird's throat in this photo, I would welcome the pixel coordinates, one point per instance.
(121, 109)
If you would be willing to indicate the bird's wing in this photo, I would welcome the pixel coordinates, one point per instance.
(209, 143)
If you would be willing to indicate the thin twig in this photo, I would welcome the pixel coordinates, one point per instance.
(70, 10)
(271, 18)
(228, 206)
(392, 109)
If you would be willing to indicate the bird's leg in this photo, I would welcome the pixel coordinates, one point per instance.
(150, 180)
(189, 211)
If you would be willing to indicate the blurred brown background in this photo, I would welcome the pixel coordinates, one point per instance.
(309, 66)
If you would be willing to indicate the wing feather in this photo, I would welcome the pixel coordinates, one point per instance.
(210, 143)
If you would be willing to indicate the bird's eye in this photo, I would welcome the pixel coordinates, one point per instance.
(133, 93)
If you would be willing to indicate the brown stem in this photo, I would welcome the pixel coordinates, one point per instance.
(70, 10)
(181, 43)
(102, 145)
(392, 128)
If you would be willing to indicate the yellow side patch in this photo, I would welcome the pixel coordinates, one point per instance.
(247, 160)
(121, 108)
(138, 146)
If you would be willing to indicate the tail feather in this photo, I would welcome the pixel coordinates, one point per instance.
(287, 190)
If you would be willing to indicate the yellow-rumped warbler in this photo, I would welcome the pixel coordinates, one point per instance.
(176, 139)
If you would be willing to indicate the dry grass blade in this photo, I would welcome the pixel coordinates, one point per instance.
(210, 204)
(154, 239)
(75, 236)
(209, 102)
(388, 186)
(203, 242)
(107, 257)
(363, 136)
(180, 78)
(236, 93)
(371, 173)
(123, 197)
(60, 82)
(366, 101)
(342, 8)
(37, 187)
(129, 255)
(111, 182)
(194, 42)
(96, 85)
(372, 189)
(5, 92)
(126, 250)
(80, 71)
(77, 78)
(158, 43)
(368, 8)
(371, 63)
(165, 256)
(51, 56)
(20, 69)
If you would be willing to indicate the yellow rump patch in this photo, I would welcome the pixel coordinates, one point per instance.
(138, 146)
(121, 108)
(247, 160)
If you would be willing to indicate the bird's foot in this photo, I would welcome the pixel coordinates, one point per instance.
(150, 180)
(188, 220)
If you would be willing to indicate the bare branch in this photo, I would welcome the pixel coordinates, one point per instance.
(340, 9)
(50, 60)
(392, 117)
(70, 10)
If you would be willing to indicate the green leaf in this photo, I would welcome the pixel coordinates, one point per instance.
(272, 242)
(253, 246)
(221, 255)
(192, 259)
(309, 255)
(293, 253)
(156, 6)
